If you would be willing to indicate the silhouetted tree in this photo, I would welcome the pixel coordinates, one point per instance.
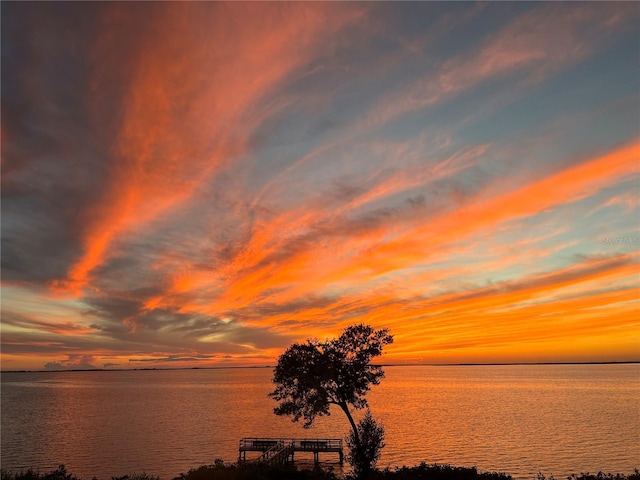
(312, 376)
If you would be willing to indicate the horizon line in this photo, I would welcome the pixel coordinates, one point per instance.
(222, 367)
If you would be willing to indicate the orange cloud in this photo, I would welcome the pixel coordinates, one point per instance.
(191, 103)
(567, 186)
(545, 311)
(58, 328)
(269, 270)
(376, 252)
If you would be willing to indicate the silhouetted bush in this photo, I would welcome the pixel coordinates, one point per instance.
(136, 476)
(59, 474)
(436, 472)
(598, 476)
(365, 450)
(250, 471)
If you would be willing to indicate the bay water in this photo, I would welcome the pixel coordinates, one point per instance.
(517, 419)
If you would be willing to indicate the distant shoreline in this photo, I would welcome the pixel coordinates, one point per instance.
(227, 367)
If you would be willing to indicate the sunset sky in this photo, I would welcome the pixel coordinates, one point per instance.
(200, 184)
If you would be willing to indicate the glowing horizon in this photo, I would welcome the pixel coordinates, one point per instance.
(202, 184)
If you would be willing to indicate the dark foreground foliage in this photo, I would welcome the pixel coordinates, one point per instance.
(598, 476)
(436, 472)
(220, 471)
(61, 474)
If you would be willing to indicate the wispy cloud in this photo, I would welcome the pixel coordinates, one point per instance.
(193, 184)
(202, 106)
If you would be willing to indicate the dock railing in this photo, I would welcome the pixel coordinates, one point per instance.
(315, 444)
(259, 444)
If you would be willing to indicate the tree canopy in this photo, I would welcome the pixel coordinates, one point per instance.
(312, 376)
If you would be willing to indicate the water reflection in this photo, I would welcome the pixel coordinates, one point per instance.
(558, 419)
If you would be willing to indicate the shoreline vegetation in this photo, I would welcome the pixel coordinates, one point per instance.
(256, 471)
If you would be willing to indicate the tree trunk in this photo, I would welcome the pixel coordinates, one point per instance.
(346, 411)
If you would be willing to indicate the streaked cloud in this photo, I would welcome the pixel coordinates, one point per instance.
(204, 183)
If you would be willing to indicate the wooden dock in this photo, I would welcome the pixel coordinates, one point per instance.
(282, 450)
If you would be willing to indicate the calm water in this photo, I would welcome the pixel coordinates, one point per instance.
(516, 419)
